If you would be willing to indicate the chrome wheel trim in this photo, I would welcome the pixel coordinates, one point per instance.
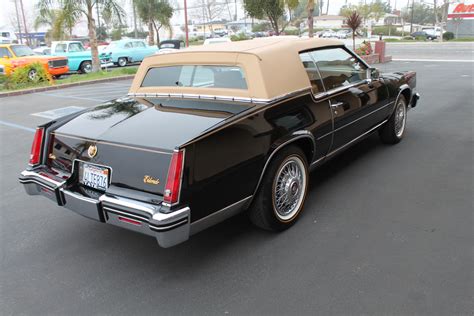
(400, 119)
(32, 74)
(122, 62)
(289, 188)
(87, 68)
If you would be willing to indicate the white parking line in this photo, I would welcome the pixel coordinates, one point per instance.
(71, 97)
(436, 60)
(77, 89)
(9, 124)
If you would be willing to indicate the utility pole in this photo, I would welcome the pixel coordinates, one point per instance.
(235, 16)
(186, 22)
(18, 21)
(24, 23)
(412, 10)
(135, 19)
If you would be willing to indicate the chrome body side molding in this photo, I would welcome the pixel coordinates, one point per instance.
(220, 215)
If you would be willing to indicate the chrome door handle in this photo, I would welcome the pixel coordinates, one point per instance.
(338, 104)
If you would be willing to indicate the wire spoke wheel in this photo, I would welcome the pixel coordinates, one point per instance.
(289, 188)
(400, 119)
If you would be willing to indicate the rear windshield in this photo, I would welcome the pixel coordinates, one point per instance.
(198, 76)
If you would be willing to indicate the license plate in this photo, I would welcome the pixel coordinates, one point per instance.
(94, 176)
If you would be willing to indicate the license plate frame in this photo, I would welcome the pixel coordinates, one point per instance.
(94, 176)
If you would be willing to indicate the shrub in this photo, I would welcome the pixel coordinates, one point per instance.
(292, 32)
(23, 76)
(385, 30)
(261, 27)
(239, 37)
(448, 36)
(408, 38)
(364, 49)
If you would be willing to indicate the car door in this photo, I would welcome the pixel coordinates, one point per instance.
(320, 108)
(140, 50)
(357, 103)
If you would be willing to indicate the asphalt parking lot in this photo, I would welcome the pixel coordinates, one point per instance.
(386, 229)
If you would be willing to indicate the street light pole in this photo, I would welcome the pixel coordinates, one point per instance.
(186, 22)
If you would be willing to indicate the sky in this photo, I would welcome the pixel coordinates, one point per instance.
(7, 16)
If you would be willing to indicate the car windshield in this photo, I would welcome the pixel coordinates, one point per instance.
(22, 50)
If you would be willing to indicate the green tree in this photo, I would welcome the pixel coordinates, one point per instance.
(422, 14)
(60, 22)
(273, 10)
(156, 14)
(86, 8)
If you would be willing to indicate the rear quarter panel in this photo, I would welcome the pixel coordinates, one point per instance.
(225, 166)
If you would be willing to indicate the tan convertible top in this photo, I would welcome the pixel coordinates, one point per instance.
(272, 67)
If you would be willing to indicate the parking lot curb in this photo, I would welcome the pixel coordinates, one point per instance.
(63, 86)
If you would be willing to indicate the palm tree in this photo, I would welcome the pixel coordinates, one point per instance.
(354, 21)
(310, 8)
(60, 22)
(85, 8)
(156, 14)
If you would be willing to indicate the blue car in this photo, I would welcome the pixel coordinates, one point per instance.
(80, 59)
(128, 51)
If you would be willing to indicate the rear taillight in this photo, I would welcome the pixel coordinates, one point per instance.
(173, 182)
(35, 156)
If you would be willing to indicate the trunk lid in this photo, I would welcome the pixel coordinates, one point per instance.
(135, 138)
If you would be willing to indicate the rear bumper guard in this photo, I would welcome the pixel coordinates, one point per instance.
(169, 229)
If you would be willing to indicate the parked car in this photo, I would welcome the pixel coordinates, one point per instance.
(328, 34)
(209, 132)
(167, 46)
(432, 33)
(80, 59)
(217, 40)
(17, 55)
(343, 34)
(128, 51)
(42, 50)
(419, 34)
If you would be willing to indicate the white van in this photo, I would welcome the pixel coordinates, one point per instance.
(7, 36)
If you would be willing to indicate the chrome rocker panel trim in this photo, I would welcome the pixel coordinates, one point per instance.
(169, 229)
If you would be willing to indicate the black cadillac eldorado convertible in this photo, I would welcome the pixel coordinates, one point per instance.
(211, 131)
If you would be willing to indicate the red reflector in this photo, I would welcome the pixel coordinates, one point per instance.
(35, 155)
(129, 221)
(173, 182)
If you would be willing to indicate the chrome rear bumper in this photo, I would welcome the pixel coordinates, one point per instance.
(168, 228)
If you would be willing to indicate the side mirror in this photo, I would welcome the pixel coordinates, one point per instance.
(372, 74)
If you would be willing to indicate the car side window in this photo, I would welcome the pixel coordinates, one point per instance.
(5, 52)
(128, 45)
(75, 47)
(338, 67)
(60, 48)
(139, 44)
(313, 73)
